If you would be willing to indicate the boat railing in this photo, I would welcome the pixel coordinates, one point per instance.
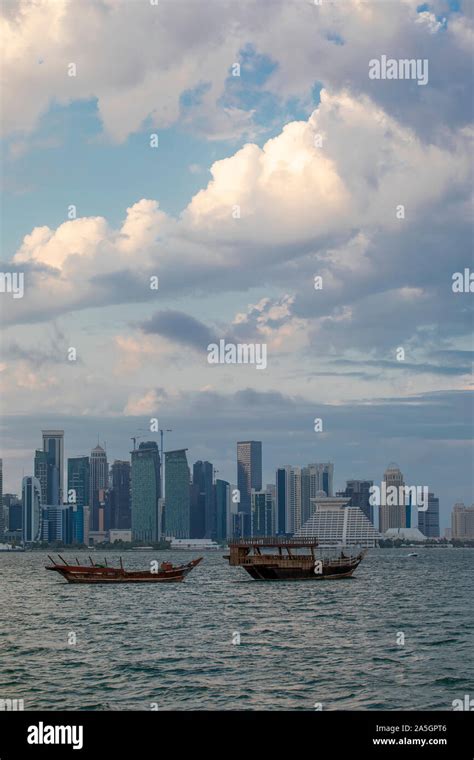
(273, 541)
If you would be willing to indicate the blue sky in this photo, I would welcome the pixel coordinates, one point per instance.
(305, 209)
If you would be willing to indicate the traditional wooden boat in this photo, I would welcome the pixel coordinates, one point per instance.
(166, 572)
(257, 556)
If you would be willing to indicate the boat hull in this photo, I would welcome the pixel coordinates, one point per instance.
(275, 573)
(106, 575)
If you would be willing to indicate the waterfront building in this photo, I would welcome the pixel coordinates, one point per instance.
(203, 515)
(177, 495)
(119, 496)
(54, 523)
(53, 446)
(334, 523)
(405, 534)
(222, 501)
(288, 499)
(462, 521)
(146, 485)
(78, 480)
(99, 480)
(13, 508)
(262, 513)
(428, 521)
(393, 515)
(41, 472)
(249, 475)
(32, 509)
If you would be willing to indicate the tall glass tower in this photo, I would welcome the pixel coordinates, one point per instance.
(78, 478)
(145, 483)
(177, 496)
(249, 475)
(32, 509)
(53, 446)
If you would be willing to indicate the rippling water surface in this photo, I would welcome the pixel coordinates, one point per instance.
(332, 642)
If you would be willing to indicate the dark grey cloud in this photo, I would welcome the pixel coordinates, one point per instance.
(179, 327)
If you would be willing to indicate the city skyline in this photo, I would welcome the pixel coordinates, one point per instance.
(334, 485)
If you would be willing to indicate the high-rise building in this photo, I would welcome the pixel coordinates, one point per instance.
(53, 522)
(99, 480)
(41, 472)
(393, 515)
(204, 519)
(177, 495)
(120, 497)
(462, 521)
(249, 475)
(78, 480)
(53, 445)
(222, 500)
(358, 492)
(428, 521)
(12, 505)
(263, 503)
(288, 499)
(145, 486)
(32, 509)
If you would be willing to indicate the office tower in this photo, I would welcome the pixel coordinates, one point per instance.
(249, 475)
(13, 507)
(41, 473)
(262, 513)
(53, 521)
(177, 496)
(280, 501)
(53, 446)
(358, 492)
(119, 496)
(78, 480)
(288, 499)
(99, 480)
(222, 500)
(203, 519)
(393, 515)
(321, 477)
(32, 509)
(334, 523)
(428, 521)
(145, 485)
(462, 521)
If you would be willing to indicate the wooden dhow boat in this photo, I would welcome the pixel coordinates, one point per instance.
(165, 572)
(258, 557)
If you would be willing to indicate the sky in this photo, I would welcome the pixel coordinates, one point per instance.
(236, 152)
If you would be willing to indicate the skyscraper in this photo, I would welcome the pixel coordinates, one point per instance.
(32, 509)
(99, 480)
(249, 475)
(288, 499)
(53, 446)
(358, 492)
(41, 472)
(119, 496)
(145, 487)
(262, 512)
(222, 498)
(203, 520)
(393, 515)
(177, 495)
(462, 521)
(78, 479)
(428, 521)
